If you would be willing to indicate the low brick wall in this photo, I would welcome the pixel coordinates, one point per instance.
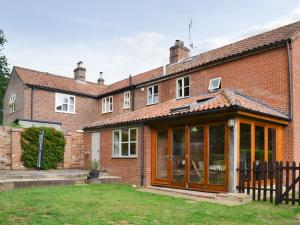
(76, 154)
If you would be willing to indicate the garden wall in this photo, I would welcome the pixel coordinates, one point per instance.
(76, 154)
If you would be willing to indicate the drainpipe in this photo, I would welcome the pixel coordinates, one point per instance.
(31, 104)
(290, 84)
(142, 157)
(131, 93)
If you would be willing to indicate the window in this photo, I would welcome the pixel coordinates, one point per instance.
(214, 84)
(125, 143)
(64, 103)
(152, 95)
(183, 87)
(107, 104)
(126, 100)
(12, 104)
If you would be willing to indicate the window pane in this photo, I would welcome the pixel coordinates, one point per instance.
(186, 81)
(271, 145)
(162, 154)
(179, 86)
(116, 149)
(245, 143)
(71, 108)
(217, 154)
(116, 136)
(125, 135)
(66, 99)
(72, 100)
(155, 99)
(156, 89)
(186, 91)
(65, 108)
(132, 148)
(124, 149)
(259, 143)
(178, 154)
(132, 134)
(196, 155)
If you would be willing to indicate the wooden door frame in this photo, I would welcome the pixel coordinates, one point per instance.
(186, 184)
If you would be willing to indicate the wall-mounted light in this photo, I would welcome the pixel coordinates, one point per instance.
(142, 89)
(195, 129)
(231, 123)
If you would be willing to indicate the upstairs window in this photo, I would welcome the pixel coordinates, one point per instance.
(107, 104)
(152, 95)
(125, 143)
(64, 103)
(126, 100)
(12, 104)
(183, 87)
(214, 84)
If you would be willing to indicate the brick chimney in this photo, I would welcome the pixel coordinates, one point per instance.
(179, 52)
(79, 72)
(100, 79)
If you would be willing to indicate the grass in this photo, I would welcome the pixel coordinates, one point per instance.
(121, 204)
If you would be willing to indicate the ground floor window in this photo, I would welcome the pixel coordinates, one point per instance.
(259, 142)
(125, 142)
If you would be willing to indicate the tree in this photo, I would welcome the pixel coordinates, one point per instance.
(4, 73)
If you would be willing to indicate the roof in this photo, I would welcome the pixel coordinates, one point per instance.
(224, 99)
(51, 81)
(265, 39)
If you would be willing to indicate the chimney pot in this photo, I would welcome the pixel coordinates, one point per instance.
(79, 72)
(101, 79)
(178, 52)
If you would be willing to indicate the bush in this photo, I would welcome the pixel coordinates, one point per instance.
(53, 147)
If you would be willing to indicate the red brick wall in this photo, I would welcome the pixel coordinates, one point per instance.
(5, 148)
(129, 169)
(44, 109)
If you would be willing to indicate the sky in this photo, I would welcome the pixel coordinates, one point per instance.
(122, 38)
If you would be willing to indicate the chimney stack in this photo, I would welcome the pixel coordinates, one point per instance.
(100, 79)
(79, 72)
(179, 52)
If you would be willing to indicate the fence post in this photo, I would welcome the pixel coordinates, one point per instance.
(254, 181)
(277, 181)
(293, 182)
(281, 181)
(287, 177)
(265, 169)
(271, 176)
(248, 176)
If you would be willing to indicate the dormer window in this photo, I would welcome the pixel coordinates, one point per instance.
(127, 100)
(214, 84)
(107, 104)
(12, 104)
(152, 95)
(183, 87)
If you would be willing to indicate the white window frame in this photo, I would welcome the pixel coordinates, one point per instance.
(126, 99)
(183, 87)
(12, 104)
(153, 99)
(210, 88)
(107, 104)
(62, 95)
(119, 155)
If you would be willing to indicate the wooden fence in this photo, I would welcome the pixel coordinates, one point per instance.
(275, 182)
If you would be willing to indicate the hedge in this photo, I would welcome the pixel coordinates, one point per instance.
(53, 147)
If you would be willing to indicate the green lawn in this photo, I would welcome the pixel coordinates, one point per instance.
(121, 204)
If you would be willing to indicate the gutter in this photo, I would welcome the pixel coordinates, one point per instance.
(290, 81)
(142, 157)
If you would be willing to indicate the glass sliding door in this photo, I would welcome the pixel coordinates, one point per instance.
(178, 155)
(162, 155)
(196, 172)
(259, 144)
(272, 145)
(217, 165)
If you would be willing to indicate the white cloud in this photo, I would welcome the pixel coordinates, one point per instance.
(117, 59)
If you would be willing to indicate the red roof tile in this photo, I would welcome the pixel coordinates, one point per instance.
(46, 80)
(219, 100)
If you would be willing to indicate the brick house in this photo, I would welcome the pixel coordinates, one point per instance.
(187, 124)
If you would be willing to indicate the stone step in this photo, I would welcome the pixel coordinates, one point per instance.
(9, 185)
(104, 180)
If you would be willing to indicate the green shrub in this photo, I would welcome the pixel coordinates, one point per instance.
(53, 147)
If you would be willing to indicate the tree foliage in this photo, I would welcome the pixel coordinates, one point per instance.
(53, 147)
(4, 73)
